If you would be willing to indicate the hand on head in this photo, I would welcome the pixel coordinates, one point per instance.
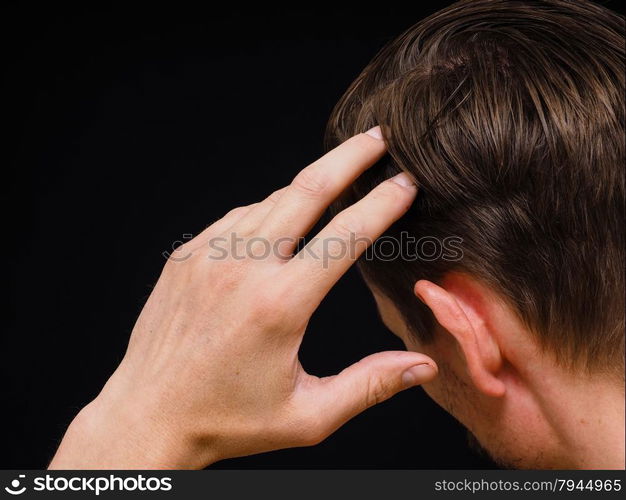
(212, 367)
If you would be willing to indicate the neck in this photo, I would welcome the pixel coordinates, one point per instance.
(586, 416)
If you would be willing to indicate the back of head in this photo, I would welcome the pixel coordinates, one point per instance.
(510, 117)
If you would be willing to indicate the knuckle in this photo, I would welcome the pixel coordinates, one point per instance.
(311, 182)
(377, 391)
(237, 211)
(234, 214)
(275, 196)
(347, 225)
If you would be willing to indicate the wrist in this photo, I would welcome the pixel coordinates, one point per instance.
(124, 436)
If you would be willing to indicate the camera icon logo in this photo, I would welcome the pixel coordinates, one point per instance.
(15, 489)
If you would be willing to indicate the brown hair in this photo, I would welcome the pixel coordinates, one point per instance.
(510, 116)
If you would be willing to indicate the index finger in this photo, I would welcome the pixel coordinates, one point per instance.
(317, 186)
(317, 267)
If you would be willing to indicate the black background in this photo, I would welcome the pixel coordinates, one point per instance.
(129, 129)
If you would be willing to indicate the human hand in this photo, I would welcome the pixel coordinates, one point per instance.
(212, 368)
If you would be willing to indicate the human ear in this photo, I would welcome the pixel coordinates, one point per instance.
(459, 307)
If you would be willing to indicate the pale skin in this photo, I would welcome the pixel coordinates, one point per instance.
(525, 409)
(212, 370)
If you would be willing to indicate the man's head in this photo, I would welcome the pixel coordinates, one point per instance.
(510, 117)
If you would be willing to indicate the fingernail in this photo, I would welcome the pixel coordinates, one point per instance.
(403, 179)
(375, 133)
(418, 374)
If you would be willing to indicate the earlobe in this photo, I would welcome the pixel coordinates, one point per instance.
(458, 311)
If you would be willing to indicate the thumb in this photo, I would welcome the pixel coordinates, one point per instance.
(369, 382)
